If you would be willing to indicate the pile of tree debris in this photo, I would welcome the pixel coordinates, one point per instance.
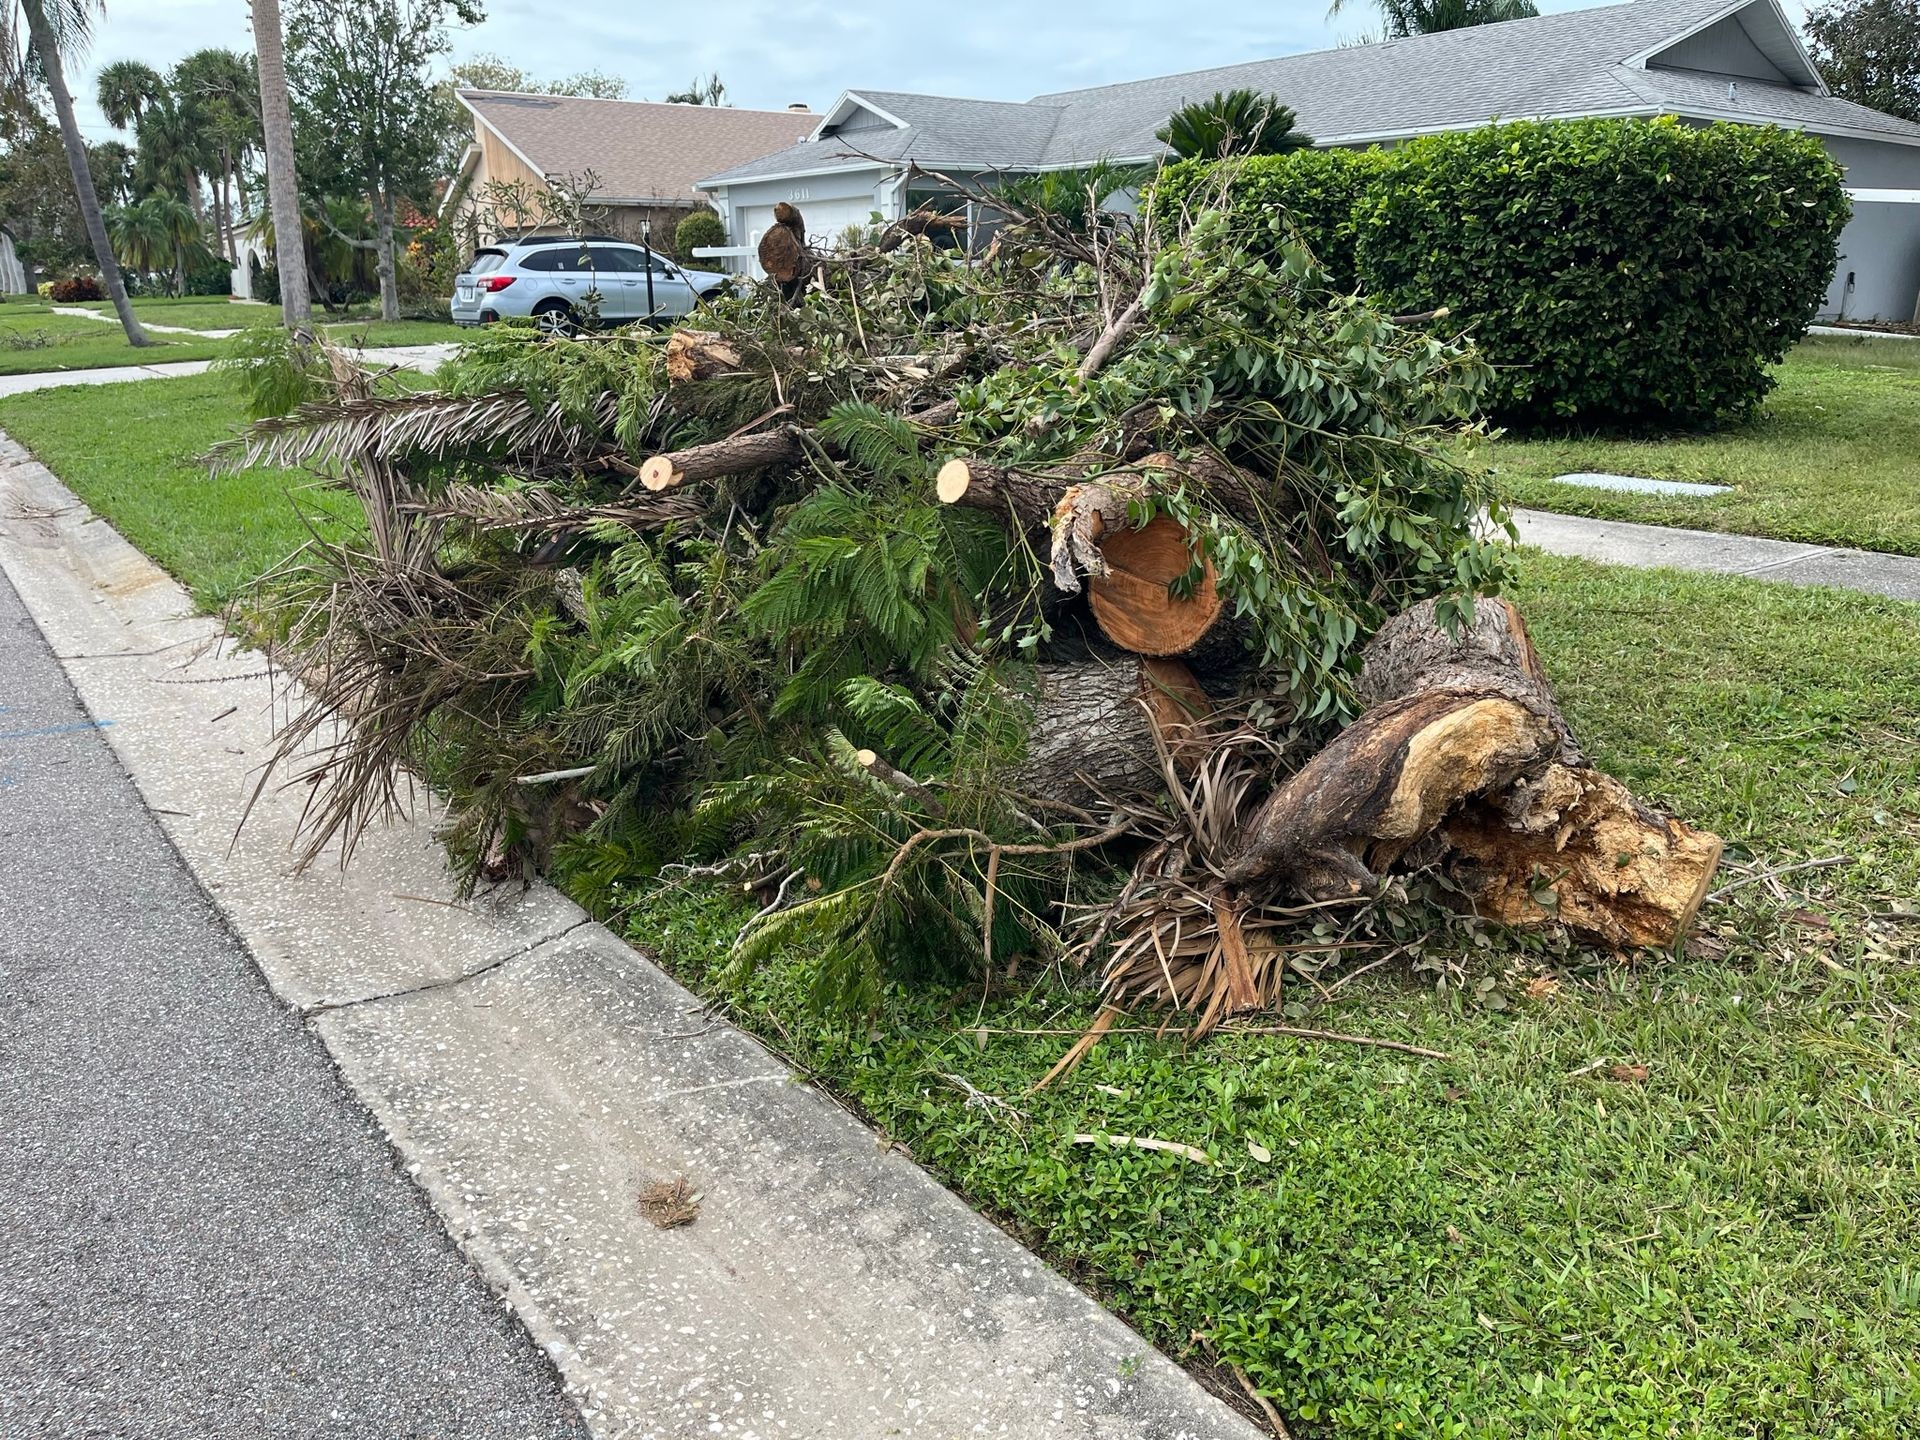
(1116, 594)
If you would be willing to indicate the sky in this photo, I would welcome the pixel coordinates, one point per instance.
(772, 53)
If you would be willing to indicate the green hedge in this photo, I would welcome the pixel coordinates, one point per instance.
(701, 228)
(1619, 272)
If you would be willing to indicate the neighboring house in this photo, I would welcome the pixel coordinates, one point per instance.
(644, 156)
(13, 275)
(1701, 60)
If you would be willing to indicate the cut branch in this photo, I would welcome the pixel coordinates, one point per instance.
(735, 456)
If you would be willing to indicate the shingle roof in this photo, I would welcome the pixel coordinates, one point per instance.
(640, 150)
(1568, 63)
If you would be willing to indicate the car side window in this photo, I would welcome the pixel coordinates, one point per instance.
(615, 261)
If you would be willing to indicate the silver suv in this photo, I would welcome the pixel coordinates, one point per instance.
(564, 283)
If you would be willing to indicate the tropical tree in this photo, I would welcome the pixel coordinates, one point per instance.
(276, 119)
(359, 72)
(221, 94)
(1869, 52)
(709, 91)
(55, 29)
(1238, 122)
(1429, 17)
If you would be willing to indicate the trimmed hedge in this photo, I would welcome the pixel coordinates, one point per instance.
(1618, 272)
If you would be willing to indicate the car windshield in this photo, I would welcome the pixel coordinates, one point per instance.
(487, 260)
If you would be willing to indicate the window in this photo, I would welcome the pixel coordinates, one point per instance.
(563, 258)
(617, 260)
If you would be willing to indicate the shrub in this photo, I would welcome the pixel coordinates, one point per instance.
(702, 227)
(75, 288)
(1310, 195)
(1620, 271)
(209, 274)
(266, 280)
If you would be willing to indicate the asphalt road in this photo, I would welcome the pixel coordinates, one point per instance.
(201, 1234)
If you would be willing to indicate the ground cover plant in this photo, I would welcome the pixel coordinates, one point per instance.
(1829, 459)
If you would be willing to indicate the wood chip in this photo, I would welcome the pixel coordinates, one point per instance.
(669, 1203)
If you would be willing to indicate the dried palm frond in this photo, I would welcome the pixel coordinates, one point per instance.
(400, 427)
(541, 511)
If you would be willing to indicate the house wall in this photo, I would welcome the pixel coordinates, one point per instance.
(1878, 274)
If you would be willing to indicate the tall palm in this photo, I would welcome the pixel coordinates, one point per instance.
(126, 90)
(219, 91)
(276, 120)
(55, 29)
(1429, 17)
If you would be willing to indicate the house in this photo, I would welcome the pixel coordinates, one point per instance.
(643, 157)
(1700, 60)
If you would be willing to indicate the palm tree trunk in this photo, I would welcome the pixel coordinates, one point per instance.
(51, 64)
(276, 121)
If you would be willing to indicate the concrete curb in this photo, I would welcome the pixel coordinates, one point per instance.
(534, 1072)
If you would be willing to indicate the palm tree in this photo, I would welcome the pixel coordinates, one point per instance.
(219, 91)
(55, 28)
(1238, 122)
(140, 237)
(127, 89)
(1429, 17)
(276, 116)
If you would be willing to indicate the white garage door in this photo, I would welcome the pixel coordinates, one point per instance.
(825, 220)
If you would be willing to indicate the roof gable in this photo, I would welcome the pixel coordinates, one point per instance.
(1751, 39)
(640, 150)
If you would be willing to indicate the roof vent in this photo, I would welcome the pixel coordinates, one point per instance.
(801, 106)
(1733, 91)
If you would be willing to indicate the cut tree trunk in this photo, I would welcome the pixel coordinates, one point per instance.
(1094, 722)
(733, 456)
(699, 355)
(1465, 743)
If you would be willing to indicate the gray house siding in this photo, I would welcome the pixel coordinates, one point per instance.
(1722, 49)
(1877, 276)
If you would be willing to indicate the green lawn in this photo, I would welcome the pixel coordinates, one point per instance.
(359, 328)
(1497, 1244)
(34, 339)
(1834, 458)
(130, 451)
(1506, 1243)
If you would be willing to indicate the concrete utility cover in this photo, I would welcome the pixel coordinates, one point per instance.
(1601, 480)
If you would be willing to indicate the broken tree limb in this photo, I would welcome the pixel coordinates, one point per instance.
(733, 456)
(1465, 741)
(871, 762)
(699, 355)
(1110, 338)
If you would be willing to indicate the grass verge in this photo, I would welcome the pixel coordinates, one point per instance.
(1829, 460)
(131, 452)
(34, 339)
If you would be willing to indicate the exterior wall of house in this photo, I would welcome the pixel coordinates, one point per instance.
(1878, 274)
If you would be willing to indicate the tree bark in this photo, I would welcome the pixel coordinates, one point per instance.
(52, 63)
(383, 260)
(1093, 727)
(734, 456)
(276, 121)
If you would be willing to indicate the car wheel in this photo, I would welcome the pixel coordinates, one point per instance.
(556, 317)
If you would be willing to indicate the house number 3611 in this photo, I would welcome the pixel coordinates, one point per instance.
(800, 192)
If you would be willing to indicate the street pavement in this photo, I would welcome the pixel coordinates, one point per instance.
(201, 1234)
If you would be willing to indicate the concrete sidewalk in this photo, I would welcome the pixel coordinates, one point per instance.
(81, 312)
(206, 1236)
(1619, 542)
(425, 358)
(535, 1074)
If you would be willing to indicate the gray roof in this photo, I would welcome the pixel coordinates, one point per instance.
(1575, 62)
